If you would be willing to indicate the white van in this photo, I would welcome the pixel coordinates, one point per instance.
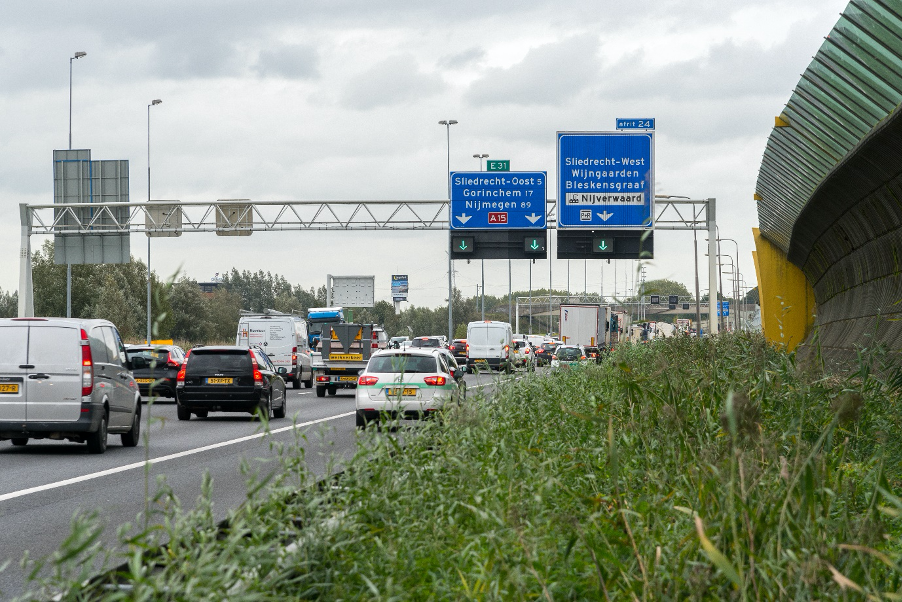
(489, 345)
(67, 378)
(283, 337)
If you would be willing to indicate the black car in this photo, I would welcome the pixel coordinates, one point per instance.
(544, 353)
(458, 349)
(161, 367)
(230, 379)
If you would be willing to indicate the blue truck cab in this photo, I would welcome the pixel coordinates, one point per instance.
(316, 317)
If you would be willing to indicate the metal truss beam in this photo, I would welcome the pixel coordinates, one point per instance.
(230, 215)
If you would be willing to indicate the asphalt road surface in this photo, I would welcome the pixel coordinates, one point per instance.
(47, 482)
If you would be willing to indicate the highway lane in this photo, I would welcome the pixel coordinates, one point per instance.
(46, 482)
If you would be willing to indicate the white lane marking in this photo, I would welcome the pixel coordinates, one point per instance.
(118, 469)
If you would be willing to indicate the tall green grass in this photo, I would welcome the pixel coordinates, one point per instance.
(681, 469)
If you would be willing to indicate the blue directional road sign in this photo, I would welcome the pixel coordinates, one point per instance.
(723, 308)
(605, 179)
(498, 200)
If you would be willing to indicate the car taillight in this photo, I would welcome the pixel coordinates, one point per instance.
(583, 357)
(527, 350)
(180, 377)
(435, 381)
(554, 357)
(294, 356)
(507, 349)
(258, 376)
(322, 379)
(87, 365)
(367, 380)
(171, 363)
(468, 350)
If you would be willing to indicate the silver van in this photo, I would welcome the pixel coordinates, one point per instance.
(66, 378)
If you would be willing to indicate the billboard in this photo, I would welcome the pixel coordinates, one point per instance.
(399, 287)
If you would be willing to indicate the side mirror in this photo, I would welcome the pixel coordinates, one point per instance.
(282, 370)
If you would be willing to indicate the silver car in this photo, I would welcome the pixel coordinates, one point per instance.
(66, 378)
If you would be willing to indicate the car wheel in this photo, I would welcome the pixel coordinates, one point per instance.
(296, 383)
(97, 440)
(201, 414)
(20, 441)
(131, 438)
(265, 407)
(183, 413)
(361, 420)
(282, 411)
(332, 390)
(320, 391)
(309, 382)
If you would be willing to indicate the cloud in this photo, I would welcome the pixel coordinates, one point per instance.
(462, 59)
(547, 75)
(288, 61)
(394, 81)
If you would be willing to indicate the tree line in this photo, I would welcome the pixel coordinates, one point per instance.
(181, 311)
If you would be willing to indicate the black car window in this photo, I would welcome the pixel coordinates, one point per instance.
(393, 364)
(263, 360)
(424, 343)
(225, 362)
(149, 355)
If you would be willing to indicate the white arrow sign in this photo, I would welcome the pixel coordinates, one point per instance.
(463, 217)
(604, 216)
(533, 218)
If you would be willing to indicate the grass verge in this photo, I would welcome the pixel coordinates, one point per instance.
(681, 469)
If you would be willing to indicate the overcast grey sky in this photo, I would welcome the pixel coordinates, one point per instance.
(279, 100)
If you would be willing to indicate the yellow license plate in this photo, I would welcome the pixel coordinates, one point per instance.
(9, 388)
(347, 378)
(219, 381)
(144, 381)
(408, 391)
(346, 357)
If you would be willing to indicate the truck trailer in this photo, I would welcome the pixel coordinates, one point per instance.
(586, 324)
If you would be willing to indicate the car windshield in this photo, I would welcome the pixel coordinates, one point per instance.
(568, 354)
(425, 343)
(549, 346)
(395, 364)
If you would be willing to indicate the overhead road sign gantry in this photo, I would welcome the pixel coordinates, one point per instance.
(605, 179)
(498, 200)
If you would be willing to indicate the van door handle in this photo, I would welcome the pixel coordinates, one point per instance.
(38, 376)
(26, 366)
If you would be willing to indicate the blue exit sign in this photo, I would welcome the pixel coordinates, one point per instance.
(635, 124)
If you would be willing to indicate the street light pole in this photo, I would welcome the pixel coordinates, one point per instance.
(739, 323)
(152, 103)
(480, 156)
(448, 123)
(77, 56)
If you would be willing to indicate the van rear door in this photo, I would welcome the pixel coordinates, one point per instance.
(13, 355)
(53, 386)
(276, 337)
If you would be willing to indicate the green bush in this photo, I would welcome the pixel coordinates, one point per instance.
(679, 469)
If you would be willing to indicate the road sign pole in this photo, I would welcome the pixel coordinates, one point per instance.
(712, 267)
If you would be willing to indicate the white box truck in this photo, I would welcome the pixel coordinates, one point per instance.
(586, 324)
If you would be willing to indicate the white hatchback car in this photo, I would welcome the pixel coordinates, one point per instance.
(407, 383)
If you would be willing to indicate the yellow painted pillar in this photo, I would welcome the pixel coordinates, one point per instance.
(786, 297)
